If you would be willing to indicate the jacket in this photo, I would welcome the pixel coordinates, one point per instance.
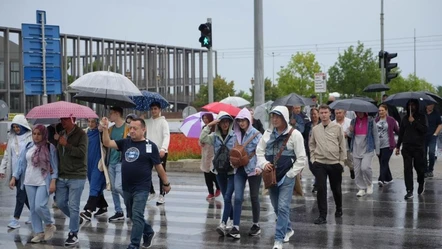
(392, 128)
(413, 134)
(20, 170)
(327, 144)
(251, 147)
(73, 156)
(158, 132)
(206, 156)
(372, 136)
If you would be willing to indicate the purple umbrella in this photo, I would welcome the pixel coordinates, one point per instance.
(193, 124)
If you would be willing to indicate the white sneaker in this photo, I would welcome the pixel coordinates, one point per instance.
(161, 200)
(221, 229)
(370, 189)
(288, 235)
(14, 224)
(277, 245)
(49, 232)
(38, 238)
(229, 224)
(360, 193)
(151, 196)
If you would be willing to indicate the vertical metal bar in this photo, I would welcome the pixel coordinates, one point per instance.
(6, 67)
(259, 54)
(44, 99)
(210, 70)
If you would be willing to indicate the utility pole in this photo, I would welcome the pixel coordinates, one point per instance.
(259, 53)
(210, 69)
(273, 73)
(414, 52)
(382, 44)
(44, 98)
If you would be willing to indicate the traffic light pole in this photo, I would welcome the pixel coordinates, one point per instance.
(210, 70)
(382, 44)
(259, 54)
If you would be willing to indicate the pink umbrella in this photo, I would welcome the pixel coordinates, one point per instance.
(61, 109)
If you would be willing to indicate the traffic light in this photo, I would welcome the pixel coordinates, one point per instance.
(386, 57)
(206, 35)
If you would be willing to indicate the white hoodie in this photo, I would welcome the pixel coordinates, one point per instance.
(158, 132)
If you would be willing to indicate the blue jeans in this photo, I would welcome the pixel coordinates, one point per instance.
(281, 197)
(68, 196)
(38, 201)
(430, 150)
(384, 164)
(116, 185)
(240, 184)
(136, 203)
(226, 184)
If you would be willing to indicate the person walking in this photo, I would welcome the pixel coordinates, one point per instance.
(20, 135)
(434, 128)
(314, 115)
(387, 127)
(38, 170)
(327, 152)
(344, 122)
(281, 148)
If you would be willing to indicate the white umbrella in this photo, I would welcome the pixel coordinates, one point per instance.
(235, 101)
(262, 112)
(106, 82)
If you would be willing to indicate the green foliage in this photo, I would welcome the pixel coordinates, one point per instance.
(221, 89)
(410, 84)
(439, 90)
(271, 92)
(244, 95)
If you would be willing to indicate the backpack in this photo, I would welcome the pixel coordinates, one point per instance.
(238, 154)
(221, 161)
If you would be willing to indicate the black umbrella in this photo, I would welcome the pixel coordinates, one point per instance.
(293, 99)
(365, 99)
(401, 99)
(355, 105)
(376, 88)
(106, 99)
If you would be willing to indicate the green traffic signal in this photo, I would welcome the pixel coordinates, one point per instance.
(206, 35)
(206, 40)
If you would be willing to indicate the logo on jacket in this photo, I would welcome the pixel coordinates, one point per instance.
(132, 154)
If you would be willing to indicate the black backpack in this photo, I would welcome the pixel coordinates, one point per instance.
(221, 161)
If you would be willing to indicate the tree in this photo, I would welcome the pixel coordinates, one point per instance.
(221, 90)
(355, 69)
(410, 84)
(271, 92)
(298, 76)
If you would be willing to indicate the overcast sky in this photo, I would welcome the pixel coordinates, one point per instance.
(323, 27)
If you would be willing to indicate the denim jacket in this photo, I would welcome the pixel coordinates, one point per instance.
(372, 136)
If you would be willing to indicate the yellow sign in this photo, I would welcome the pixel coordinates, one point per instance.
(12, 115)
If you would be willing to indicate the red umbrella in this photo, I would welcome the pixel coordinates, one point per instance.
(216, 107)
(61, 109)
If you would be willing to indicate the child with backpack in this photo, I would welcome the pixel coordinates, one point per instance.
(223, 140)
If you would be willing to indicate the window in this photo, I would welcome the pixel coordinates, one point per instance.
(15, 75)
(15, 103)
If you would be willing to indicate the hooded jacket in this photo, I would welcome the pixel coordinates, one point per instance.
(11, 153)
(216, 139)
(241, 138)
(413, 134)
(293, 157)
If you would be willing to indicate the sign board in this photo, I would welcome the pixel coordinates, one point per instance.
(12, 115)
(320, 82)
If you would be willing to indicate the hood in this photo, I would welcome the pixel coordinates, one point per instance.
(20, 120)
(223, 115)
(243, 114)
(285, 113)
(416, 102)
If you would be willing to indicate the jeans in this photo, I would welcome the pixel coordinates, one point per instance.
(163, 162)
(227, 185)
(281, 197)
(413, 157)
(136, 203)
(20, 199)
(430, 150)
(116, 185)
(384, 164)
(38, 200)
(240, 184)
(210, 178)
(334, 173)
(68, 196)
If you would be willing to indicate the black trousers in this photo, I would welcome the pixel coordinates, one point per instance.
(413, 157)
(163, 162)
(94, 202)
(334, 173)
(210, 179)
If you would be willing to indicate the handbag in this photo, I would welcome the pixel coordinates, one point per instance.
(269, 177)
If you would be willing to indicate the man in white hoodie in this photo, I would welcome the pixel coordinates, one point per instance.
(159, 133)
(288, 165)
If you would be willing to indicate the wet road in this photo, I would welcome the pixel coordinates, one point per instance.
(187, 220)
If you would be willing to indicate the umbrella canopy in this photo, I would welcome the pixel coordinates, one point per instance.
(106, 99)
(235, 101)
(144, 101)
(216, 107)
(193, 124)
(262, 112)
(364, 98)
(61, 109)
(355, 105)
(106, 82)
(401, 99)
(293, 99)
(376, 88)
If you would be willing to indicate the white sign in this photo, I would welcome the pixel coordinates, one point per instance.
(320, 83)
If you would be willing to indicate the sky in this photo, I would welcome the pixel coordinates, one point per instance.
(323, 27)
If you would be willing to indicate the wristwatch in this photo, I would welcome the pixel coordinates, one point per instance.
(166, 184)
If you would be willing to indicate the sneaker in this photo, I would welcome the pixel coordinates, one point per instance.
(277, 245)
(217, 192)
(430, 174)
(388, 182)
(370, 189)
(255, 230)
(229, 224)
(221, 229)
(234, 233)
(117, 216)
(86, 215)
(147, 240)
(71, 240)
(338, 213)
(421, 188)
(426, 175)
(38, 238)
(100, 212)
(49, 232)
(210, 196)
(409, 195)
(28, 221)
(288, 235)
(161, 200)
(360, 193)
(381, 183)
(320, 220)
(315, 189)
(14, 224)
(352, 174)
(151, 196)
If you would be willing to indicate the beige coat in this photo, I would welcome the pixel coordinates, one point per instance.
(207, 154)
(327, 144)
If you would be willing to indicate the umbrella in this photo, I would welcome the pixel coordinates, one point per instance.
(235, 101)
(355, 105)
(435, 97)
(262, 112)
(106, 99)
(144, 101)
(216, 107)
(293, 99)
(401, 99)
(193, 124)
(376, 88)
(105, 82)
(365, 99)
(47, 121)
(61, 109)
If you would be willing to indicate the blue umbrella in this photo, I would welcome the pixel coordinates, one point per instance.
(143, 102)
